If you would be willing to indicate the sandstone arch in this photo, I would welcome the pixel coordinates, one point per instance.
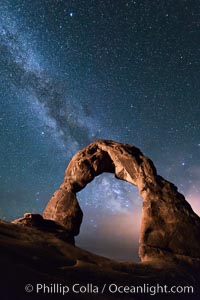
(169, 225)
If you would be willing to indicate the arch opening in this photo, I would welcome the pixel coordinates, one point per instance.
(111, 218)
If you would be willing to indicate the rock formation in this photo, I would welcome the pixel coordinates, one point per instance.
(170, 229)
(36, 221)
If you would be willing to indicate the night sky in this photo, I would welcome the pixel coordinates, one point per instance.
(76, 71)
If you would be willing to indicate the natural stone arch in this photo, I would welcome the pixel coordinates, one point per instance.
(169, 224)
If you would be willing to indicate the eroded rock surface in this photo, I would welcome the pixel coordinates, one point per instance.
(37, 221)
(170, 229)
(30, 255)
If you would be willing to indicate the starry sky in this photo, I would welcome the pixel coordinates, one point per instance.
(73, 71)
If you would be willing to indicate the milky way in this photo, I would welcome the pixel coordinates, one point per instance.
(70, 122)
(76, 71)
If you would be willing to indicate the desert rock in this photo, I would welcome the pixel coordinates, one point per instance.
(170, 229)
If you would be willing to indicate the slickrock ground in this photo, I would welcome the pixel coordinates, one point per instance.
(31, 255)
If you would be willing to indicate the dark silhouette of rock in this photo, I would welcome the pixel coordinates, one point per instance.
(170, 229)
(35, 256)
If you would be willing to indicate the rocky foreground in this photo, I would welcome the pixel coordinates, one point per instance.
(36, 252)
